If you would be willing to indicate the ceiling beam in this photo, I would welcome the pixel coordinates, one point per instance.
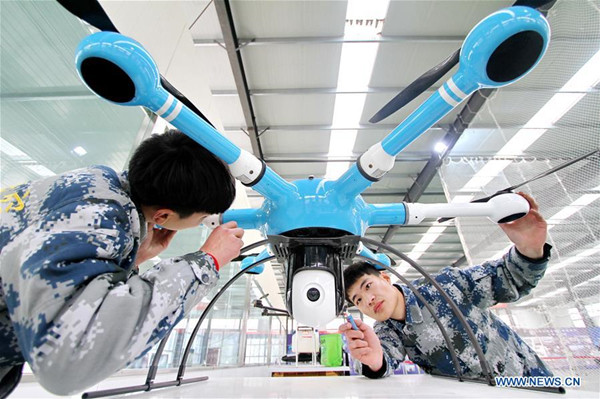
(237, 66)
(262, 41)
(376, 90)
(291, 128)
(326, 159)
(53, 95)
(267, 41)
(439, 127)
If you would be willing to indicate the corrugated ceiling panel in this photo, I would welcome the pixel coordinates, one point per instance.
(293, 110)
(255, 19)
(438, 18)
(38, 46)
(292, 65)
(399, 63)
(294, 143)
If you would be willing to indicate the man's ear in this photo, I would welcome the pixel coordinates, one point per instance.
(386, 277)
(160, 216)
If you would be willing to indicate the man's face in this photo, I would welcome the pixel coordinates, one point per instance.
(374, 296)
(175, 222)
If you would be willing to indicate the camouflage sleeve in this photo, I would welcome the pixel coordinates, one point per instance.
(393, 353)
(78, 315)
(499, 281)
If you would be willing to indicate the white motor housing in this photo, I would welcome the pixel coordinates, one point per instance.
(313, 298)
(212, 221)
(499, 209)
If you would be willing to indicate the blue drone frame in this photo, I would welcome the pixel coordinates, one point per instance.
(309, 221)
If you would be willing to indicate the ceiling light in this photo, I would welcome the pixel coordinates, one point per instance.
(569, 210)
(490, 171)
(22, 158)
(440, 147)
(12, 151)
(356, 68)
(575, 258)
(40, 170)
(79, 151)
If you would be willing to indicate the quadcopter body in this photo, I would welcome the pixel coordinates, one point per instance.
(311, 222)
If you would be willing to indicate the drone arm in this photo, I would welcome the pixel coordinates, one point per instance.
(245, 218)
(379, 159)
(385, 214)
(500, 209)
(244, 166)
(379, 257)
(250, 260)
(370, 167)
(120, 70)
(481, 65)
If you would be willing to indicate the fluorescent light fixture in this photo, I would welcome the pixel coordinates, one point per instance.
(12, 151)
(570, 94)
(569, 210)
(489, 172)
(356, 68)
(347, 110)
(22, 158)
(440, 147)
(553, 110)
(79, 151)
(575, 258)
(341, 142)
(587, 77)
(425, 242)
(521, 141)
(40, 170)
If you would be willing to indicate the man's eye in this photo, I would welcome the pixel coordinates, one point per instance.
(368, 286)
(358, 301)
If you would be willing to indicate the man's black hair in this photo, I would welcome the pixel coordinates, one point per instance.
(354, 272)
(173, 171)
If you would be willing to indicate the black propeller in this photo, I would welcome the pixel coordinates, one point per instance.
(426, 80)
(91, 12)
(543, 174)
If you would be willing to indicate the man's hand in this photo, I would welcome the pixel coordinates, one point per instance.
(156, 241)
(363, 344)
(529, 232)
(224, 243)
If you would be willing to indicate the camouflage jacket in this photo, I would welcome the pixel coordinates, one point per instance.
(474, 290)
(71, 304)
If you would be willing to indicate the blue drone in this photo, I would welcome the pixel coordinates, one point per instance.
(313, 224)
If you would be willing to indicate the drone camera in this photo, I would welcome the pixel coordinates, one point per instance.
(313, 258)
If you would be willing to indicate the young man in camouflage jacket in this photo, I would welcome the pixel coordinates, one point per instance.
(72, 304)
(404, 326)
